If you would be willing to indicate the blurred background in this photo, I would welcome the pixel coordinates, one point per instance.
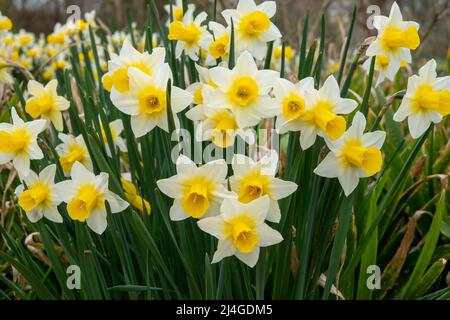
(40, 16)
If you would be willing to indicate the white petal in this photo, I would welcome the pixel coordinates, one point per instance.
(180, 99)
(34, 215)
(349, 181)
(280, 189)
(81, 174)
(47, 174)
(215, 226)
(225, 248)
(170, 187)
(268, 236)
(142, 124)
(329, 167)
(52, 214)
(274, 214)
(185, 166)
(249, 259)
(374, 139)
(176, 212)
(116, 203)
(97, 221)
(418, 123)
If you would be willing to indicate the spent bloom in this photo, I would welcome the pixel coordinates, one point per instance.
(40, 196)
(241, 230)
(198, 191)
(255, 179)
(353, 156)
(396, 38)
(252, 25)
(18, 142)
(85, 195)
(427, 100)
(46, 103)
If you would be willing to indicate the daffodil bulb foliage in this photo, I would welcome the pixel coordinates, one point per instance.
(256, 179)
(18, 142)
(85, 195)
(353, 156)
(39, 196)
(197, 191)
(146, 101)
(318, 113)
(245, 90)
(46, 103)
(190, 34)
(241, 230)
(116, 79)
(252, 25)
(71, 150)
(395, 40)
(427, 100)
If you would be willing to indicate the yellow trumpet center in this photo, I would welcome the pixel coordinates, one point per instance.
(293, 106)
(394, 38)
(38, 194)
(219, 47)
(428, 99)
(356, 155)
(14, 141)
(76, 153)
(152, 100)
(253, 24)
(241, 230)
(323, 117)
(196, 197)
(37, 107)
(243, 91)
(189, 34)
(224, 131)
(87, 199)
(253, 186)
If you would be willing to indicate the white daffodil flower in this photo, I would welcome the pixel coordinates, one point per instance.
(252, 25)
(219, 47)
(177, 10)
(85, 195)
(241, 230)
(323, 111)
(198, 191)
(196, 89)
(383, 66)
(427, 100)
(5, 73)
(116, 79)
(40, 196)
(190, 35)
(46, 103)
(71, 150)
(255, 179)
(395, 38)
(146, 101)
(5, 23)
(290, 99)
(245, 90)
(353, 156)
(18, 142)
(116, 128)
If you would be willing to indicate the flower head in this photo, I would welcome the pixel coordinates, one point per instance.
(46, 103)
(40, 196)
(252, 25)
(427, 100)
(255, 179)
(197, 191)
(241, 230)
(18, 142)
(354, 155)
(85, 195)
(146, 100)
(71, 150)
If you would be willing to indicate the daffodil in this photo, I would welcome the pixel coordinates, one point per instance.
(427, 100)
(241, 230)
(116, 128)
(196, 89)
(177, 10)
(289, 56)
(46, 103)
(40, 196)
(255, 179)
(190, 34)
(5, 23)
(197, 191)
(146, 100)
(5, 73)
(245, 90)
(137, 202)
(384, 67)
(71, 150)
(18, 142)
(252, 25)
(116, 79)
(323, 113)
(353, 156)
(219, 47)
(395, 38)
(85, 195)
(290, 99)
